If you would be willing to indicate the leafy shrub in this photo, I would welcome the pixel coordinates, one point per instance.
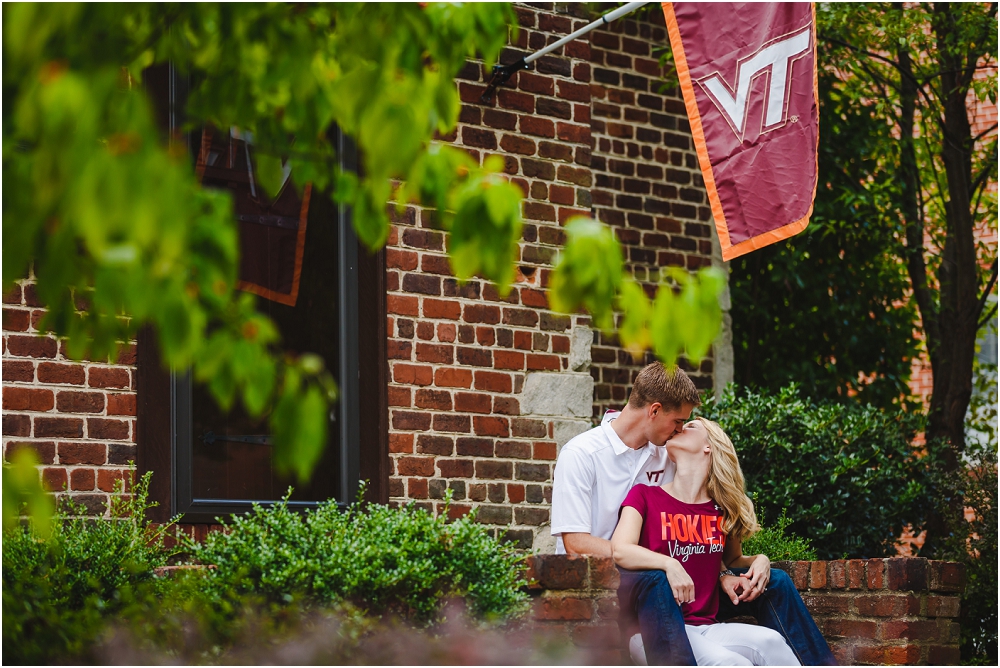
(847, 474)
(382, 560)
(776, 544)
(973, 542)
(274, 571)
(57, 592)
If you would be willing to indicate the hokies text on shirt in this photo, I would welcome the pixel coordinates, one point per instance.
(696, 529)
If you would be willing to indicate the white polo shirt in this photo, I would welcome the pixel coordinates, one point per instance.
(594, 472)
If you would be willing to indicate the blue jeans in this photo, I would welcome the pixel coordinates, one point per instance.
(646, 604)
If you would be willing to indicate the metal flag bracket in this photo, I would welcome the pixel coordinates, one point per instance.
(501, 73)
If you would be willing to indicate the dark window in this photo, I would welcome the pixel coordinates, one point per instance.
(207, 462)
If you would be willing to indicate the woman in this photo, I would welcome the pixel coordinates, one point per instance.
(689, 528)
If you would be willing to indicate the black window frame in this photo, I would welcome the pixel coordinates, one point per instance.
(163, 431)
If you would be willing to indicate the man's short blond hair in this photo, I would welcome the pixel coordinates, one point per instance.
(671, 388)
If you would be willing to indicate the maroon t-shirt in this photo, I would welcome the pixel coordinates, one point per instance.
(691, 534)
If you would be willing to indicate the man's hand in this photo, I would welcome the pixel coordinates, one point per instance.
(680, 582)
(756, 578)
(732, 586)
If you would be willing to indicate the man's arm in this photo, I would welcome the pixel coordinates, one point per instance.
(584, 543)
(572, 503)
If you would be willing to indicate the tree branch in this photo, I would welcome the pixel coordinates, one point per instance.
(921, 208)
(941, 190)
(925, 78)
(986, 291)
(986, 318)
(989, 28)
(908, 73)
(882, 84)
(981, 185)
(912, 220)
(874, 56)
(877, 78)
(982, 178)
(984, 133)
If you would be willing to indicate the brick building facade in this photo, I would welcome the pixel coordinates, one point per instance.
(482, 389)
(586, 132)
(79, 417)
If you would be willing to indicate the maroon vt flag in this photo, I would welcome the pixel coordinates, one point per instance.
(748, 75)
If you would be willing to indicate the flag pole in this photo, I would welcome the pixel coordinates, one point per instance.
(501, 73)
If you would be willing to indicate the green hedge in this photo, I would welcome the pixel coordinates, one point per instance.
(57, 593)
(380, 559)
(847, 475)
(64, 598)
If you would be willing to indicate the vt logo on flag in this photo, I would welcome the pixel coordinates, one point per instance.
(748, 75)
(772, 61)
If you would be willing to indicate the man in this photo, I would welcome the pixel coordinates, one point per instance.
(595, 471)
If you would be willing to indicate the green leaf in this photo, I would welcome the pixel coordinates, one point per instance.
(667, 342)
(311, 436)
(588, 272)
(636, 311)
(22, 488)
(299, 423)
(347, 187)
(270, 173)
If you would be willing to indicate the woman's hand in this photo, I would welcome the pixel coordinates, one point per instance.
(757, 577)
(732, 587)
(680, 582)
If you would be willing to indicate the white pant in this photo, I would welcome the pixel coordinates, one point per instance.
(729, 645)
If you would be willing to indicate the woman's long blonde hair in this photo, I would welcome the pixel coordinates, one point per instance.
(726, 485)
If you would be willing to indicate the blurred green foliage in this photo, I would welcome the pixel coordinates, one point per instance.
(590, 274)
(58, 592)
(269, 570)
(23, 494)
(109, 213)
(846, 474)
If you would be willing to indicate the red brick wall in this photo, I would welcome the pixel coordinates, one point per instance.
(871, 611)
(647, 184)
(79, 417)
(586, 131)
